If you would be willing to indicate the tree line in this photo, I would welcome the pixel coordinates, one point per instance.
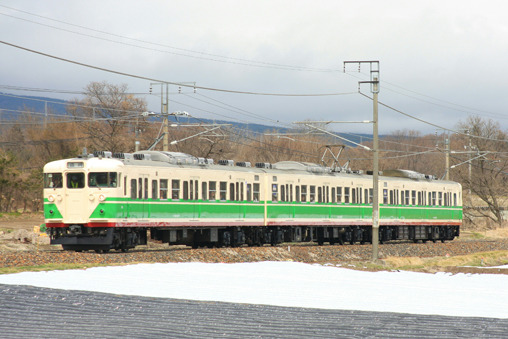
(109, 118)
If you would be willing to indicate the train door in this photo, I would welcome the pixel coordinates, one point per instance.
(75, 194)
(239, 197)
(143, 205)
(194, 196)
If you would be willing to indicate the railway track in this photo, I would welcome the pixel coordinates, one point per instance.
(310, 253)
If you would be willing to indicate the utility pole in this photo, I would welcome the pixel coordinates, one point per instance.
(447, 159)
(164, 112)
(374, 88)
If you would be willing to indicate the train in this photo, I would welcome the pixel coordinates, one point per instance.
(116, 201)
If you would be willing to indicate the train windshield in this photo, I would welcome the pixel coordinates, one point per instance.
(75, 180)
(53, 180)
(102, 179)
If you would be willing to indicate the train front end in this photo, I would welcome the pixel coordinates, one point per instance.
(76, 195)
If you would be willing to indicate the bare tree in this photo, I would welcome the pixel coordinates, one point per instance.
(487, 176)
(109, 116)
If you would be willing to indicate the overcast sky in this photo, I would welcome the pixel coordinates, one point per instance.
(440, 61)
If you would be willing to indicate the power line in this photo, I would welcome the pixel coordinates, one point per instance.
(172, 82)
(201, 55)
(462, 108)
(433, 124)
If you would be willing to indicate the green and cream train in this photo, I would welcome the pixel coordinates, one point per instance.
(116, 201)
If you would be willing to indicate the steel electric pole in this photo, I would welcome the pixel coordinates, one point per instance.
(374, 88)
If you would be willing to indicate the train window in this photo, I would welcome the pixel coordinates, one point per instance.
(333, 195)
(391, 198)
(454, 199)
(212, 186)
(413, 198)
(339, 195)
(204, 190)
(312, 195)
(346, 195)
(231, 192)
(185, 190)
(154, 190)
(223, 190)
(255, 192)
(175, 189)
(385, 196)
(297, 192)
(191, 190)
(290, 192)
(75, 180)
(408, 198)
(320, 194)
(365, 195)
(163, 188)
(53, 180)
(304, 193)
(238, 196)
(196, 190)
(353, 195)
(440, 198)
(140, 188)
(419, 198)
(275, 190)
(433, 199)
(274, 179)
(134, 189)
(102, 179)
(146, 188)
(125, 186)
(241, 192)
(249, 192)
(282, 193)
(256, 178)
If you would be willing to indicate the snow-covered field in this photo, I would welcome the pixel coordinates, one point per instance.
(290, 284)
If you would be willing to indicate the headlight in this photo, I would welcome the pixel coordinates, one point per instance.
(102, 197)
(51, 198)
(91, 197)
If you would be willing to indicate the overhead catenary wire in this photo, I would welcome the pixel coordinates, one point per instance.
(200, 54)
(172, 82)
(433, 124)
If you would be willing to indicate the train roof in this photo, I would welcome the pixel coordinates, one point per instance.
(178, 159)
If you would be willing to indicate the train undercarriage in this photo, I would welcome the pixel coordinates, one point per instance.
(103, 239)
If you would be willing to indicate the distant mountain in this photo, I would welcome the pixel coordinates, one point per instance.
(12, 105)
(10, 102)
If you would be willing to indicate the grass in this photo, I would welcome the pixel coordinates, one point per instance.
(10, 214)
(494, 258)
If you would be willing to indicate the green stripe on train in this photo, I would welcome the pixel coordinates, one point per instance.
(51, 211)
(159, 209)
